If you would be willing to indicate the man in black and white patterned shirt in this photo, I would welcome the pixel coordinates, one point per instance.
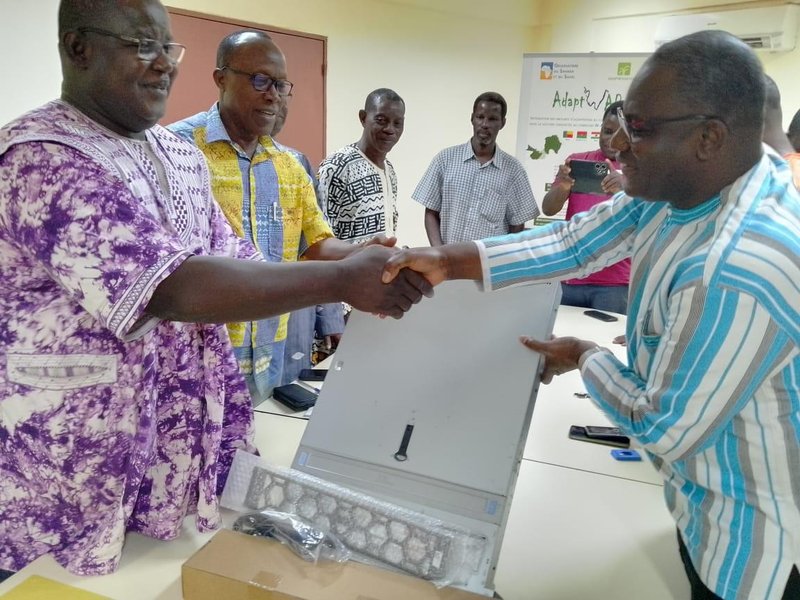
(357, 184)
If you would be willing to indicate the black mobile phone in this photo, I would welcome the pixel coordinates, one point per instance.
(313, 374)
(588, 175)
(596, 314)
(601, 430)
(578, 432)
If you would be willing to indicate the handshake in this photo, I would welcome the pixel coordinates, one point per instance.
(388, 281)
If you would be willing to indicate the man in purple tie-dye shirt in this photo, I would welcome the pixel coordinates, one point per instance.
(120, 401)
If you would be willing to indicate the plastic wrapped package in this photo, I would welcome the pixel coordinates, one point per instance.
(309, 543)
(379, 531)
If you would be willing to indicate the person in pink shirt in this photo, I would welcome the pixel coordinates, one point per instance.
(606, 289)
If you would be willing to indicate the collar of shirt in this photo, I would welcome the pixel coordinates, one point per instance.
(216, 132)
(496, 161)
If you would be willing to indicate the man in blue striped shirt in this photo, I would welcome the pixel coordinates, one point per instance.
(711, 221)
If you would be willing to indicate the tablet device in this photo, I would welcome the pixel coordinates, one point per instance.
(588, 174)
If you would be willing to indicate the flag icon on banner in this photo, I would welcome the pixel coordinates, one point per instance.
(568, 134)
(595, 135)
(581, 135)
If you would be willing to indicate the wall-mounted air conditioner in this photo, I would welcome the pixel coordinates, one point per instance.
(772, 28)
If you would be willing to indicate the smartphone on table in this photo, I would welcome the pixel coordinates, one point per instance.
(596, 314)
(313, 374)
(607, 436)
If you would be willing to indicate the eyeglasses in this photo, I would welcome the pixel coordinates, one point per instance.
(149, 50)
(263, 83)
(639, 128)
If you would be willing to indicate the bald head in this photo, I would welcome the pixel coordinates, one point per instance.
(236, 41)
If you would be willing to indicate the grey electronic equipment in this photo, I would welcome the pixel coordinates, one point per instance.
(431, 412)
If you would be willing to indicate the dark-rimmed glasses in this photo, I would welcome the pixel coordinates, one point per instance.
(149, 50)
(639, 128)
(263, 83)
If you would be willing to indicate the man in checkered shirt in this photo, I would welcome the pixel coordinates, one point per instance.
(475, 190)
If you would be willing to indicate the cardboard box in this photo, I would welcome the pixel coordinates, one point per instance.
(235, 566)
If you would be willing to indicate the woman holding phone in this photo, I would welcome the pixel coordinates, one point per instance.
(606, 289)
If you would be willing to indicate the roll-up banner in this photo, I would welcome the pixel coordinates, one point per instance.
(562, 100)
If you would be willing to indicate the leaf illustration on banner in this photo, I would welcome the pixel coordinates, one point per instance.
(552, 144)
(535, 153)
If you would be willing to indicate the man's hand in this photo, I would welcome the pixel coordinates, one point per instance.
(429, 262)
(365, 289)
(380, 240)
(560, 354)
(614, 181)
(451, 261)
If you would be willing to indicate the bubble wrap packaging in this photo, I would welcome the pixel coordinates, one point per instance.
(372, 529)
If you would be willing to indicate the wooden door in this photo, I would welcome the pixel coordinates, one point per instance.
(194, 90)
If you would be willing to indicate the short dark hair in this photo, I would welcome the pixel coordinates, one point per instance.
(231, 42)
(772, 95)
(720, 73)
(77, 13)
(611, 109)
(491, 97)
(794, 126)
(375, 96)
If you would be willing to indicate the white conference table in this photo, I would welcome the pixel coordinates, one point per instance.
(557, 407)
(582, 525)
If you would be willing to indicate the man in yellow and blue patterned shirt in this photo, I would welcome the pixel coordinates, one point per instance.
(263, 190)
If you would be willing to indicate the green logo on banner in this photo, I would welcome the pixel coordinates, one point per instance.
(551, 144)
(624, 69)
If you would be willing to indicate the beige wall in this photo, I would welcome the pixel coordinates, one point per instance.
(437, 58)
(29, 69)
(440, 58)
(626, 26)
